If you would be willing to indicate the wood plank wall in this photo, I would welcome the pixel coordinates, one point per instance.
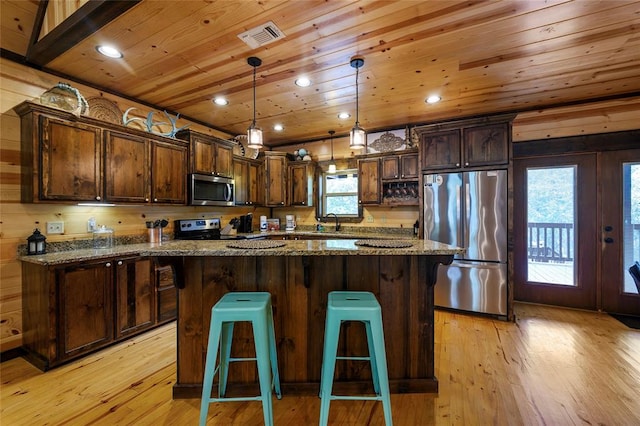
(17, 220)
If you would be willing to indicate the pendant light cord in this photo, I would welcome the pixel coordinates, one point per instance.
(254, 95)
(357, 97)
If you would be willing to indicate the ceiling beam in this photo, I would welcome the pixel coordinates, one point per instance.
(85, 21)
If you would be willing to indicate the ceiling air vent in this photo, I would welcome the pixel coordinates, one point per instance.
(261, 35)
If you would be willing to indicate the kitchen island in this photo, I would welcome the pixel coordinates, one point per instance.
(299, 275)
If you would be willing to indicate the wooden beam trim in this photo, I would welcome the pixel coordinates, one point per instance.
(82, 23)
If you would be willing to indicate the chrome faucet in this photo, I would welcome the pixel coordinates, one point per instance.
(337, 222)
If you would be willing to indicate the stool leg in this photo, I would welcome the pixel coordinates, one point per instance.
(273, 355)
(260, 337)
(381, 361)
(332, 332)
(209, 369)
(372, 358)
(225, 354)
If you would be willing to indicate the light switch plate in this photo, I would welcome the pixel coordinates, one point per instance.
(55, 227)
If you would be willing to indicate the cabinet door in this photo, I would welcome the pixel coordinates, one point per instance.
(135, 295)
(85, 316)
(224, 161)
(276, 175)
(409, 167)
(202, 156)
(256, 184)
(70, 167)
(168, 173)
(486, 145)
(390, 167)
(369, 181)
(440, 150)
(241, 177)
(127, 168)
(167, 300)
(301, 178)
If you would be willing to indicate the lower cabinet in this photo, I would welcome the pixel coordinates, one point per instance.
(72, 309)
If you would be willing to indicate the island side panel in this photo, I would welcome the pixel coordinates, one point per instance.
(190, 325)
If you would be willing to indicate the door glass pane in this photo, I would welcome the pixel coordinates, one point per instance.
(631, 221)
(551, 203)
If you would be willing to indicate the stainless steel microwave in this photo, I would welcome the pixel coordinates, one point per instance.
(205, 190)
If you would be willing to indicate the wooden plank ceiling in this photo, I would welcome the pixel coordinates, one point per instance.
(481, 57)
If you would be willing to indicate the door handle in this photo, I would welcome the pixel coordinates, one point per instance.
(608, 240)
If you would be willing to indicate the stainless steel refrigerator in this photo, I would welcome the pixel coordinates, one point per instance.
(469, 210)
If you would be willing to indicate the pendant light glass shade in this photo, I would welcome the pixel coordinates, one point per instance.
(357, 137)
(254, 133)
(332, 163)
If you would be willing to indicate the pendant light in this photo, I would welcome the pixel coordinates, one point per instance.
(254, 133)
(332, 163)
(357, 139)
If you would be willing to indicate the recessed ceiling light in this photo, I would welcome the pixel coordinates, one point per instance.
(278, 127)
(109, 51)
(433, 99)
(303, 82)
(219, 100)
(344, 115)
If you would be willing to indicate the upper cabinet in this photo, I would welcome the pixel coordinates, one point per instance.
(466, 144)
(249, 180)
(369, 181)
(275, 170)
(400, 167)
(61, 160)
(209, 155)
(67, 158)
(302, 179)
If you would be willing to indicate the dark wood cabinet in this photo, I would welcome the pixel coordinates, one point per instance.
(67, 158)
(275, 165)
(127, 167)
(401, 167)
(84, 320)
(135, 295)
(168, 173)
(209, 155)
(167, 295)
(248, 182)
(473, 143)
(302, 179)
(71, 309)
(369, 181)
(61, 160)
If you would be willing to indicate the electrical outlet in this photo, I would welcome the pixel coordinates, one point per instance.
(55, 227)
(370, 219)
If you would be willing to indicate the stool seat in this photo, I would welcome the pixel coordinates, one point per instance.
(254, 307)
(354, 306)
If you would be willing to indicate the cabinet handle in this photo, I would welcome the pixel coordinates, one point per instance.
(119, 262)
(466, 164)
(155, 200)
(98, 198)
(457, 164)
(108, 265)
(396, 176)
(146, 200)
(303, 203)
(282, 202)
(402, 176)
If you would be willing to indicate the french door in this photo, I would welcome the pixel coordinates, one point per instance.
(620, 228)
(577, 230)
(555, 230)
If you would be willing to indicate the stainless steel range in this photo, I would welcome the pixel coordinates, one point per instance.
(197, 229)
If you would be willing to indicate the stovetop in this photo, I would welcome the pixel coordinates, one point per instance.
(201, 229)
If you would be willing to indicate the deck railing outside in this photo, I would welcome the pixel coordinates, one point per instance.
(553, 242)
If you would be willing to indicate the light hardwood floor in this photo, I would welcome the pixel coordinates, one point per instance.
(551, 367)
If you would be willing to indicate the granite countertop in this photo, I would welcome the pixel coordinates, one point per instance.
(302, 247)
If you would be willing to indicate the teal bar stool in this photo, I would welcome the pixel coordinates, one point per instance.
(354, 306)
(254, 307)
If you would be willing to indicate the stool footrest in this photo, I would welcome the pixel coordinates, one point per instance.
(237, 398)
(357, 358)
(355, 398)
(241, 359)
